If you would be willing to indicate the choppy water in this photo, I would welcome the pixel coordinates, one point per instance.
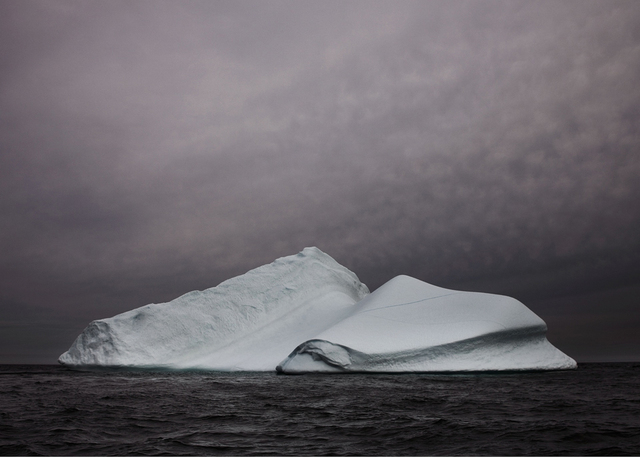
(51, 410)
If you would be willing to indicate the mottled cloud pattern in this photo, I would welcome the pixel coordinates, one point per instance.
(152, 148)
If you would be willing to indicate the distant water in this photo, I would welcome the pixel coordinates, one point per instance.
(51, 410)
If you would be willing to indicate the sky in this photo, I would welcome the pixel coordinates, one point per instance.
(151, 148)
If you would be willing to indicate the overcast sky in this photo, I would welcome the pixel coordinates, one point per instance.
(149, 148)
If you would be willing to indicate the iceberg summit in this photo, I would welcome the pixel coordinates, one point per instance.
(307, 313)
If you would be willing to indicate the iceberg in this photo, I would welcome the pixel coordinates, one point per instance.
(307, 313)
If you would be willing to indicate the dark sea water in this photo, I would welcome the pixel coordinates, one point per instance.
(51, 410)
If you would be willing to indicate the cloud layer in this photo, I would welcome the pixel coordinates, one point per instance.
(149, 148)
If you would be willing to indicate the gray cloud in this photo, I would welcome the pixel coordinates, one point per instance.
(152, 148)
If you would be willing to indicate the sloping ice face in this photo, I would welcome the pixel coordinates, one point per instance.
(313, 305)
(250, 322)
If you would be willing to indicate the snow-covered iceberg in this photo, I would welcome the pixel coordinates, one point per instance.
(312, 305)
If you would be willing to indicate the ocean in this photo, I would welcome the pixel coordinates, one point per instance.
(50, 410)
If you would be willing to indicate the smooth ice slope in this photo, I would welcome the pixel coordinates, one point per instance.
(410, 326)
(250, 322)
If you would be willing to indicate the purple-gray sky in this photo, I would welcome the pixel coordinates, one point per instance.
(149, 148)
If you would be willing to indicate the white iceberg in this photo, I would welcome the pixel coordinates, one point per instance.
(313, 304)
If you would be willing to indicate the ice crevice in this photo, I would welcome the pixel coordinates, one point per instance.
(410, 303)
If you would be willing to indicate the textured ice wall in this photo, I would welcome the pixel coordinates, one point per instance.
(250, 322)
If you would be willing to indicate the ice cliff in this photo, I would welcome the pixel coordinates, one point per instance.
(312, 305)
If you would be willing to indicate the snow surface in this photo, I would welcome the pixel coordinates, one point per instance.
(313, 304)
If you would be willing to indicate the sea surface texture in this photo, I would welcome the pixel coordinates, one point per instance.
(54, 411)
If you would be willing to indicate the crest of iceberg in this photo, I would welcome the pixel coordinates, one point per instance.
(312, 305)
